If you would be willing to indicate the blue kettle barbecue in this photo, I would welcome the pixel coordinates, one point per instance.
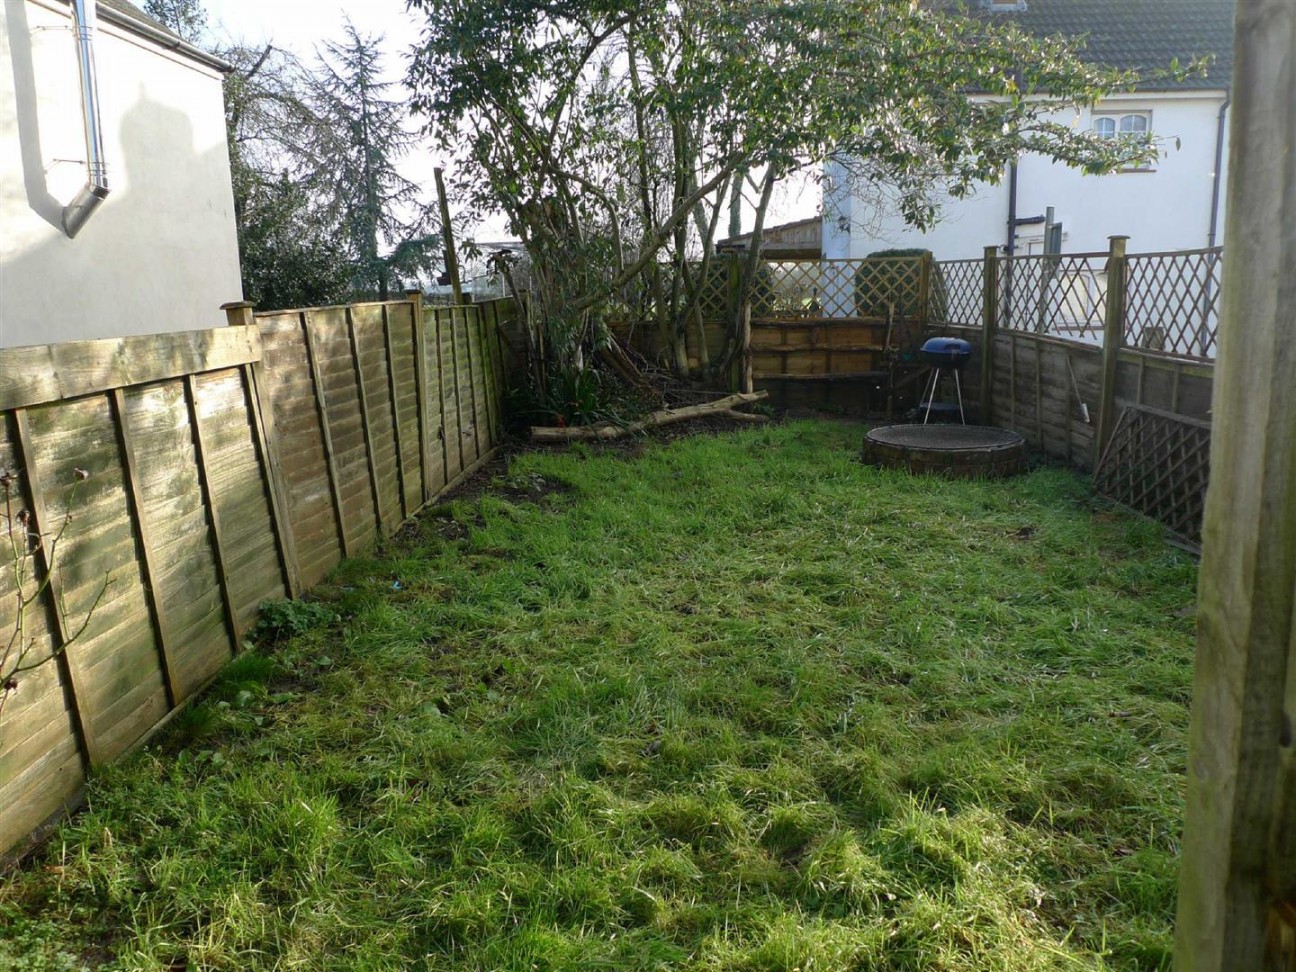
(946, 356)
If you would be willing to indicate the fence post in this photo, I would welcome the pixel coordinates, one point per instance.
(1237, 884)
(924, 291)
(241, 314)
(238, 313)
(989, 324)
(733, 294)
(421, 390)
(1113, 338)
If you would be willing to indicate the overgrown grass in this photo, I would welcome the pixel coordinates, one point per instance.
(737, 702)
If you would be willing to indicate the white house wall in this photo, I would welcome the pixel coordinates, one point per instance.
(1164, 209)
(161, 253)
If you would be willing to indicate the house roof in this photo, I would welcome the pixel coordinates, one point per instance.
(1130, 34)
(800, 239)
(126, 15)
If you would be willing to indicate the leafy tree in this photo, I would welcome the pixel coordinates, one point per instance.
(363, 133)
(186, 17)
(289, 244)
(613, 132)
(290, 256)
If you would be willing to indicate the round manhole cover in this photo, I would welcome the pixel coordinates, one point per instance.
(956, 450)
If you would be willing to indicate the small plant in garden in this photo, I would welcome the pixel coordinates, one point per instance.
(27, 546)
(283, 619)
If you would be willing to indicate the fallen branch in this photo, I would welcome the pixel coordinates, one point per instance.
(744, 416)
(666, 416)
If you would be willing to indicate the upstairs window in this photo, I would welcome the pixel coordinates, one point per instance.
(1130, 124)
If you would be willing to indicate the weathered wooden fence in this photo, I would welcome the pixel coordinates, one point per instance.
(1077, 341)
(225, 467)
(810, 331)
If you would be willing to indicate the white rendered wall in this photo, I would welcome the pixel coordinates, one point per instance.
(1167, 208)
(161, 253)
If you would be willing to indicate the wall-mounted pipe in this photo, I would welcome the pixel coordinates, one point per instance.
(78, 211)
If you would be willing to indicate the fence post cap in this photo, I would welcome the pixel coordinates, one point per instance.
(237, 305)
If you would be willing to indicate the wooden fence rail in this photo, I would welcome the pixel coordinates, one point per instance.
(226, 467)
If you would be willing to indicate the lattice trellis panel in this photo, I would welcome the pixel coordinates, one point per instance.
(1172, 301)
(1063, 295)
(838, 288)
(957, 292)
(1158, 463)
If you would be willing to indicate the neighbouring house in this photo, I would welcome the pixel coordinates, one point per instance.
(1173, 204)
(148, 142)
(798, 240)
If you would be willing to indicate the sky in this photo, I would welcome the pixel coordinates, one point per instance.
(303, 25)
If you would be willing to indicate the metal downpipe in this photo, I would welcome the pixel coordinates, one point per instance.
(88, 199)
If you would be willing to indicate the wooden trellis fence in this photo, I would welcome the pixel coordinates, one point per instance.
(1074, 341)
(226, 467)
(1158, 463)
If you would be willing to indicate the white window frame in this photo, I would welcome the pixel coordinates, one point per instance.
(1117, 116)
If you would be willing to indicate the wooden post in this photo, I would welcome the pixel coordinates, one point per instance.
(745, 311)
(487, 375)
(441, 414)
(472, 380)
(421, 392)
(241, 314)
(989, 325)
(458, 392)
(1113, 338)
(733, 297)
(924, 291)
(402, 475)
(1237, 885)
(447, 236)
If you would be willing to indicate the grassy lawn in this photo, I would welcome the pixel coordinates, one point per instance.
(732, 702)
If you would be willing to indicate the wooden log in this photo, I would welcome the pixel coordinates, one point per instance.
(1237, 885)
(658, 418)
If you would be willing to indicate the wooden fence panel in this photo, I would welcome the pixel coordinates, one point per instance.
(183, 562)
(373, 372)
(405, 398)
(224, 466)
(40, 756)
(436, 443)
(477, 382)
(452, 408)
(114, 660)
(350, 454)
(239, 490)
(300, 445)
